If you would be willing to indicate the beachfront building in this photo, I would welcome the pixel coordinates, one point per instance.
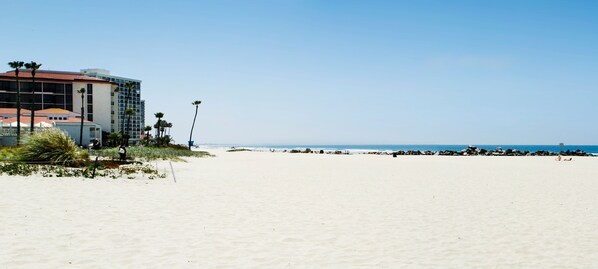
(58, 89)
(142, 115)
(68, 121)
(131, 97)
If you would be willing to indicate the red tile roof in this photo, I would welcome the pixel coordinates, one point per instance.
(37, 120)
(13, 111)
(47, 75)
(54, 111)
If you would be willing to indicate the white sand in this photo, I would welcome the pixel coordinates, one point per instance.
(277, 210)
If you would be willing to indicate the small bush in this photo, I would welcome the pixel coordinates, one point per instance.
(14, 169)
(9, 153)
(237, 150)
(178, 146)
(52, 146)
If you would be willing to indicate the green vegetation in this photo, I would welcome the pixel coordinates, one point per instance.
(52, 153)
(16, 65)
(237, 150)
(9, 153)
(113, 139)
(129, 112)
(158, 125)
(23, 169)
(33, 66)
(52, 146)
(154, 153)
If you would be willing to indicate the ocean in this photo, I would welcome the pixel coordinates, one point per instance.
(593, 149)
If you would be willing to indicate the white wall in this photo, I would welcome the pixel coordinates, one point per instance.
(73, 129)
(102, 106)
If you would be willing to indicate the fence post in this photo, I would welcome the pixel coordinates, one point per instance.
(95, 165)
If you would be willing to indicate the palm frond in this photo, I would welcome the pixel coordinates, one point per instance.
(16, 64)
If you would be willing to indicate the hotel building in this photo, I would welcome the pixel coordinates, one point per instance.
(58, 89)
(133, 97)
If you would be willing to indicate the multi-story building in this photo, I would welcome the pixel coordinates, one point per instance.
(142, 114)
(127, 99)
(58, 89)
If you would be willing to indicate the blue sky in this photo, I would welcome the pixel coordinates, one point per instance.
(341, 72)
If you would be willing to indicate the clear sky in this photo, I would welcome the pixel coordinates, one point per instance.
(334, 72)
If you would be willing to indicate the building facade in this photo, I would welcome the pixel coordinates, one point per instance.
(127, 99)
(59, 90)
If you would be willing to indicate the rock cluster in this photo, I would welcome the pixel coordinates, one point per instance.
(475, 151)
(469, 151)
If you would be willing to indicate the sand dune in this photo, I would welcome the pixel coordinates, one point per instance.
(278, 210)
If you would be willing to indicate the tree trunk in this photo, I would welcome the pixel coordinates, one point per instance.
(158, 129)
(192, 126)
(82, 117)
(32, 103)
(128, 130)
(18, 107)
(122, 131)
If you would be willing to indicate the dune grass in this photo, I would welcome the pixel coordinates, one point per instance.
(153, 153)
(238, 150)
(9, 153)
(52, 146)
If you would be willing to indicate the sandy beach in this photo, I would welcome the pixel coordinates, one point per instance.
(281, 210)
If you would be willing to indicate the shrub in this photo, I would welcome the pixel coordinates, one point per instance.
(52, 146)
(178, 146)
(9, 153)
(237, 150)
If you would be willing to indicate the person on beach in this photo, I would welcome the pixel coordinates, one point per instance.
(558, 158)
(96, 144)
(122, 151)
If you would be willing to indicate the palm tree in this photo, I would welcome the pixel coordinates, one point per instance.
(82, 92)
(169, 126)
(114, 138)
(163, 126)
(33, 66)
(158, 115)
(196, 104)
(129, 112)
(16, 65)
(128, 86)
(147, 129)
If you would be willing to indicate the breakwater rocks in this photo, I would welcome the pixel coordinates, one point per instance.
(308, 150)
(474, 151)
(469, 151)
